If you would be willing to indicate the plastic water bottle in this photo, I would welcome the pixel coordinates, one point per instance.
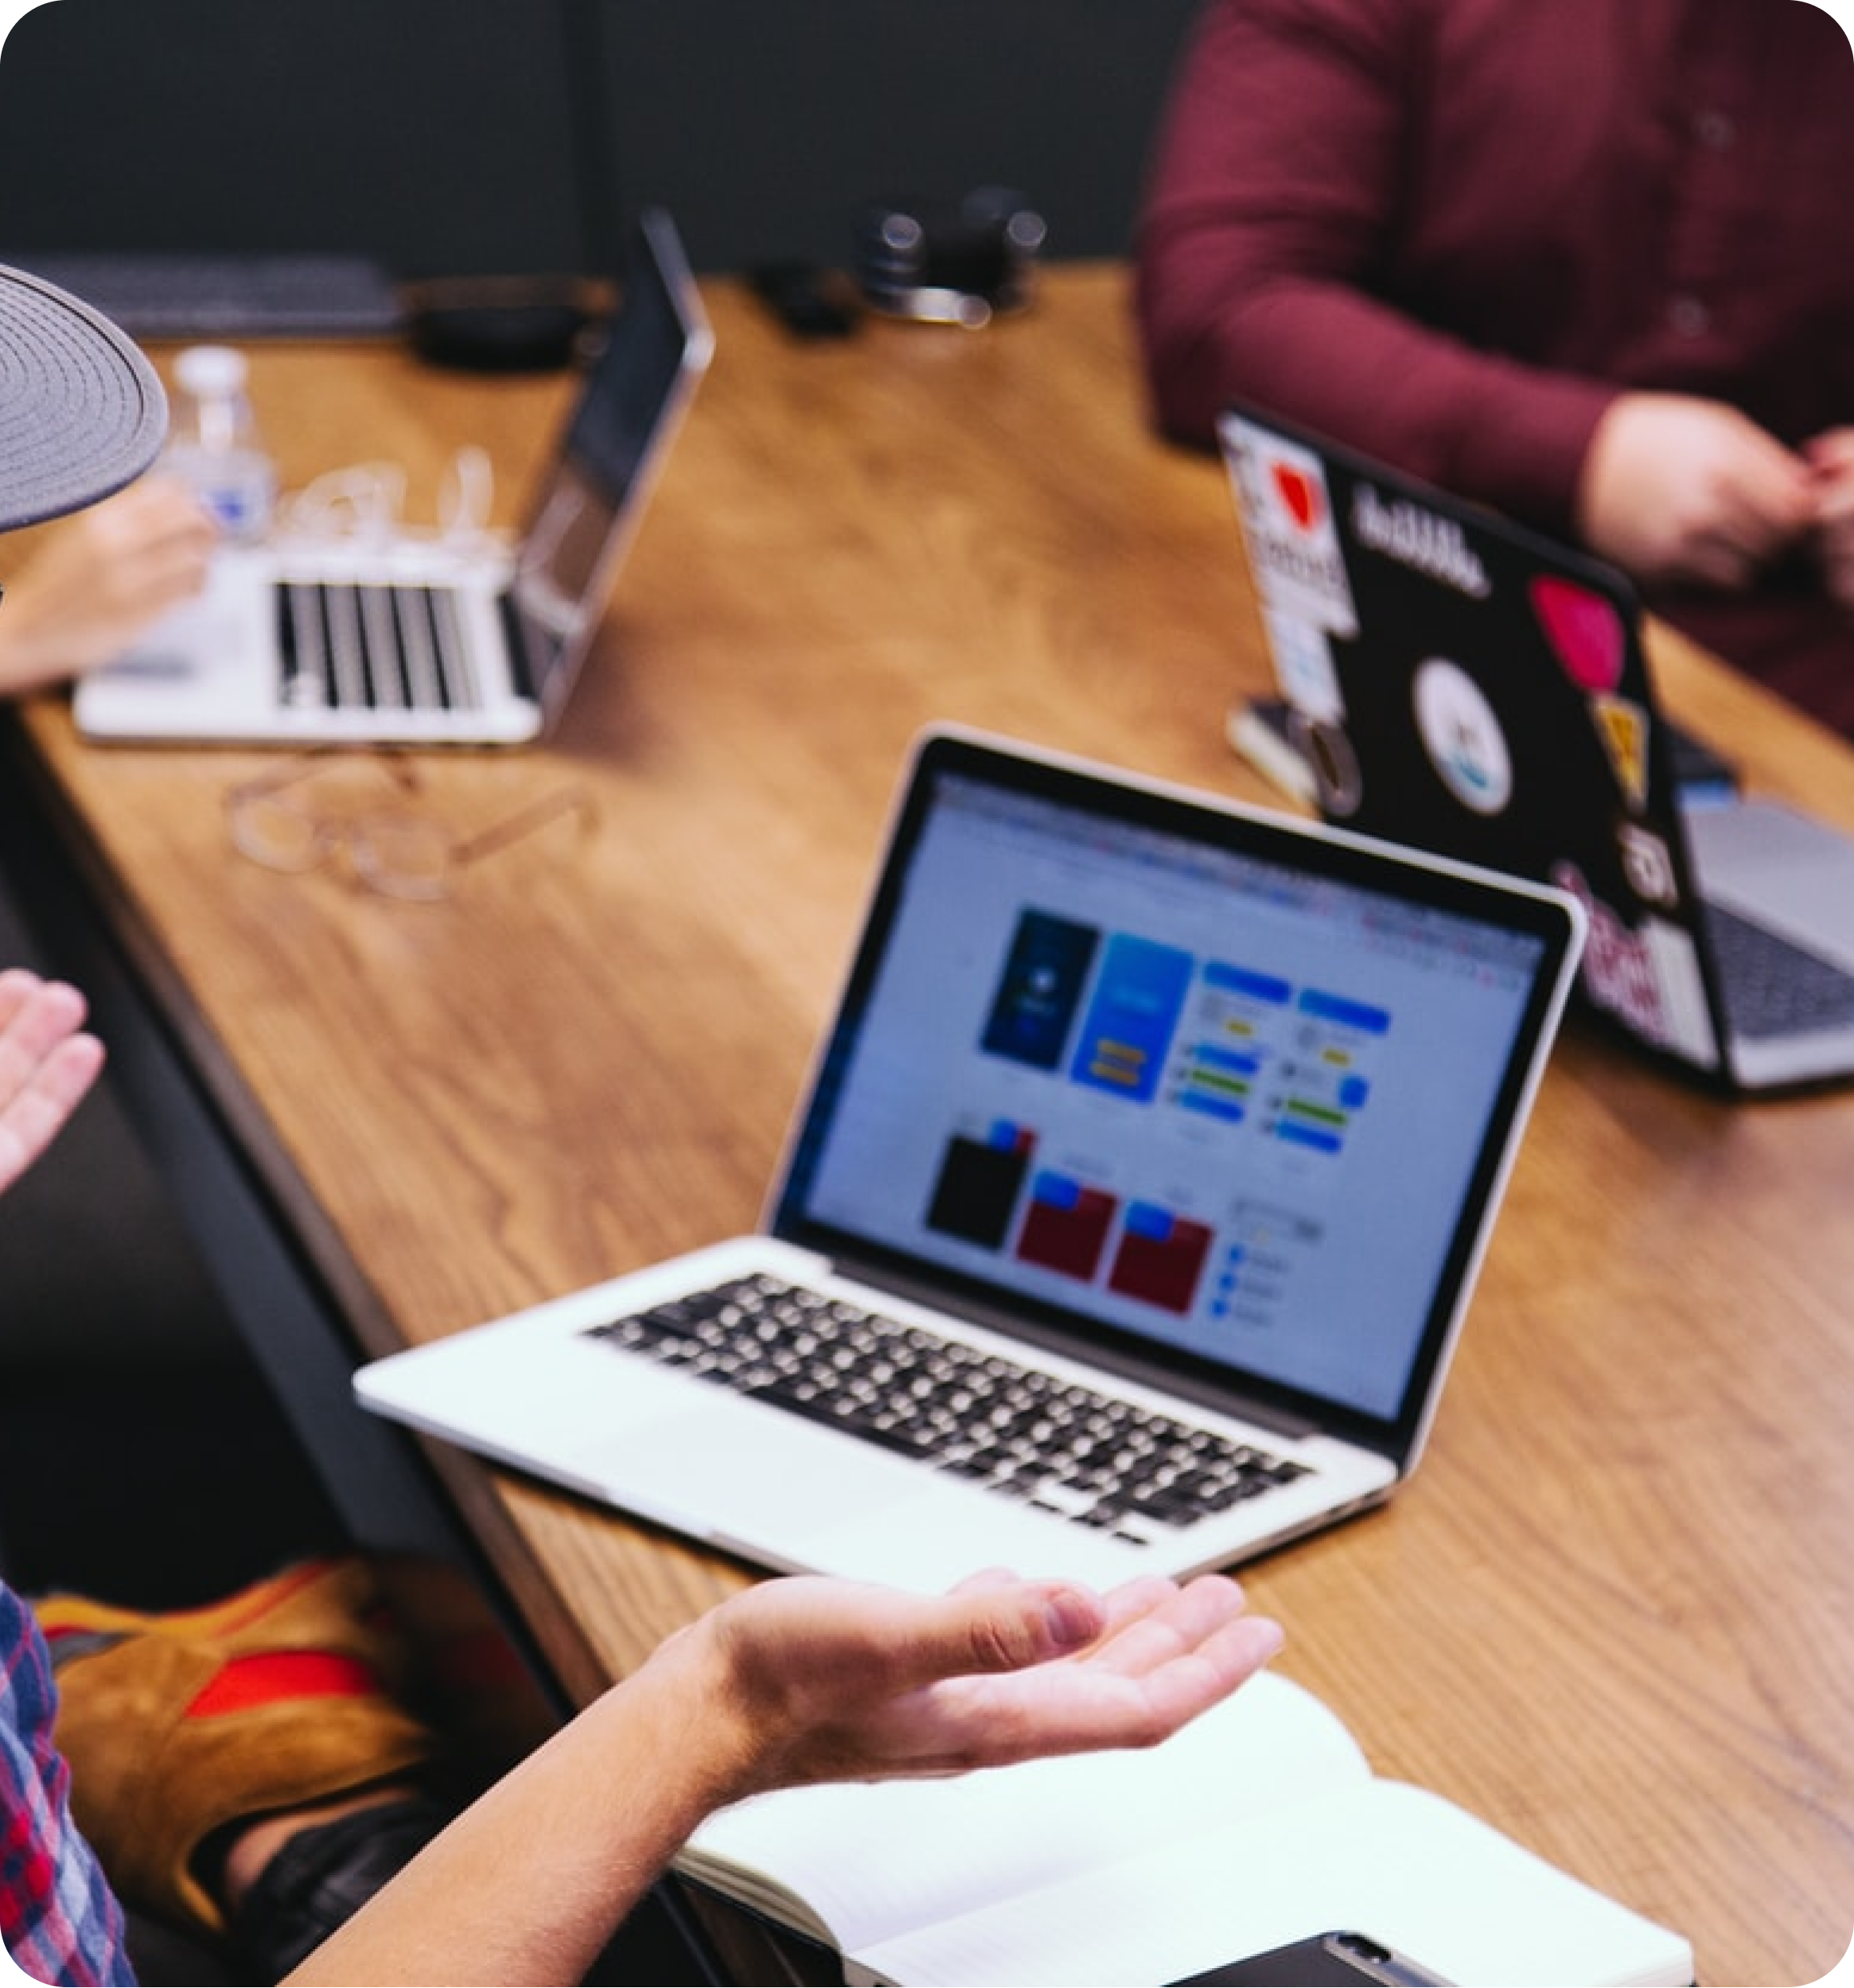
(213, 445)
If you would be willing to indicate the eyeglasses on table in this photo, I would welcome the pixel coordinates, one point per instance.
(287, 820)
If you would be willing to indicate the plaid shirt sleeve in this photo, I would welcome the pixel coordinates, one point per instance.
(58, 1921)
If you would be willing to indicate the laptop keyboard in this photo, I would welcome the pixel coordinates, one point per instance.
(373, 647)
(1773, 988)
(1052, 1444)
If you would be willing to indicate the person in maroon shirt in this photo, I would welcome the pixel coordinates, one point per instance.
(1591, 263)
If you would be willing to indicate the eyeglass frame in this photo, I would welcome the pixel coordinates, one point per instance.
(329, 836)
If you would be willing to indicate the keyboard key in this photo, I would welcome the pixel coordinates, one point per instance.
(373, 647)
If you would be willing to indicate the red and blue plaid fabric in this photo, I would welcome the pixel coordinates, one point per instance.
(58, 1921)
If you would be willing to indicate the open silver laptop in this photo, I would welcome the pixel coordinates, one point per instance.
(1127, 1223)
(1466, 685)
(417, 642)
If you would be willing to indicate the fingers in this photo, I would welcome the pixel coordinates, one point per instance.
(1832, 453)
(156, 539)
(1678, 489)
(158, 508)
(28, 1124)
(1165, 1654)
(1180, 1648)
(35, 1014)
(1159, 1617)
(92, 586)
(1204, 1626)
(995, 1622)
(828, 1680)
(1831, 460)
(46, 1065)
(1760, 500)
(1729, 563)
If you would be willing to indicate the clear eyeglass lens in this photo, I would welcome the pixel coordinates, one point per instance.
(402, 855)
(279, 836)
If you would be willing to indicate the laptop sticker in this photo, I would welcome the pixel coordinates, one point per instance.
(1647, 865)
(1412, 536)
(1649, 977)
(1583, 629)
(1322, 743)
(1462, 736)
(1286, 510)
(1622, 724)
(1304, 667)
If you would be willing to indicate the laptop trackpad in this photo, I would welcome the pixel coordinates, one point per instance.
(1781, 869)
(732, 1471)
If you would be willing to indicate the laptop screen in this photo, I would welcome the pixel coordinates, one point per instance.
(655, 347)
(1229, 1095)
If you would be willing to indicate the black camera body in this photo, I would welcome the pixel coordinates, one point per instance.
(949, 262)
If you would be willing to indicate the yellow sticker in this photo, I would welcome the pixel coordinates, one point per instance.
(1622, 724)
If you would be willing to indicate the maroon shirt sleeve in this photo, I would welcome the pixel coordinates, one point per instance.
(1290, 200)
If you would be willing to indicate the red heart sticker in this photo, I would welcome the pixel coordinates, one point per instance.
(1298, 495)
(1583, 628)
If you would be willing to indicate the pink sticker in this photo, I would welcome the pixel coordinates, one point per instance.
(1618, 966)
(1583, 628)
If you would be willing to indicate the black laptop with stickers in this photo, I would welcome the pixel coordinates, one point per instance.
(1460, 684)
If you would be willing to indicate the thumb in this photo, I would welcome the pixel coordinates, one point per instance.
(1010, 1628)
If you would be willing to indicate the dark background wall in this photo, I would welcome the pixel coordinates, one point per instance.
(473, 136)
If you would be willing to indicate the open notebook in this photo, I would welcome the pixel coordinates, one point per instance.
(1461, 683)
(1127, 1223)
(1257, 1825)
(418, 641)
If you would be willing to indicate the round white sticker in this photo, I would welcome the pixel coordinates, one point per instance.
(1462, 736)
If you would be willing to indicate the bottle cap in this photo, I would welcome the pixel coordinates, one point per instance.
(210, 371)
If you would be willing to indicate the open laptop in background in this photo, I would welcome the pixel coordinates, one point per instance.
(1462, 684)
(417, 641)
(1127, 1223)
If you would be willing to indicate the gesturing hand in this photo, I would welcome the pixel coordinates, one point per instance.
(98, 579)
(46, 1065)
(831, 1680)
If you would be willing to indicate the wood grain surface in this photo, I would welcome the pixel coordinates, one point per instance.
(1612, 1612)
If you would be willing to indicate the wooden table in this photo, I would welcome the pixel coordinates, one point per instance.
(1613, 1612)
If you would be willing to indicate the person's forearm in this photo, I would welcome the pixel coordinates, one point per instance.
(1336, 360)
(531, 1882)
(790, 1681)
